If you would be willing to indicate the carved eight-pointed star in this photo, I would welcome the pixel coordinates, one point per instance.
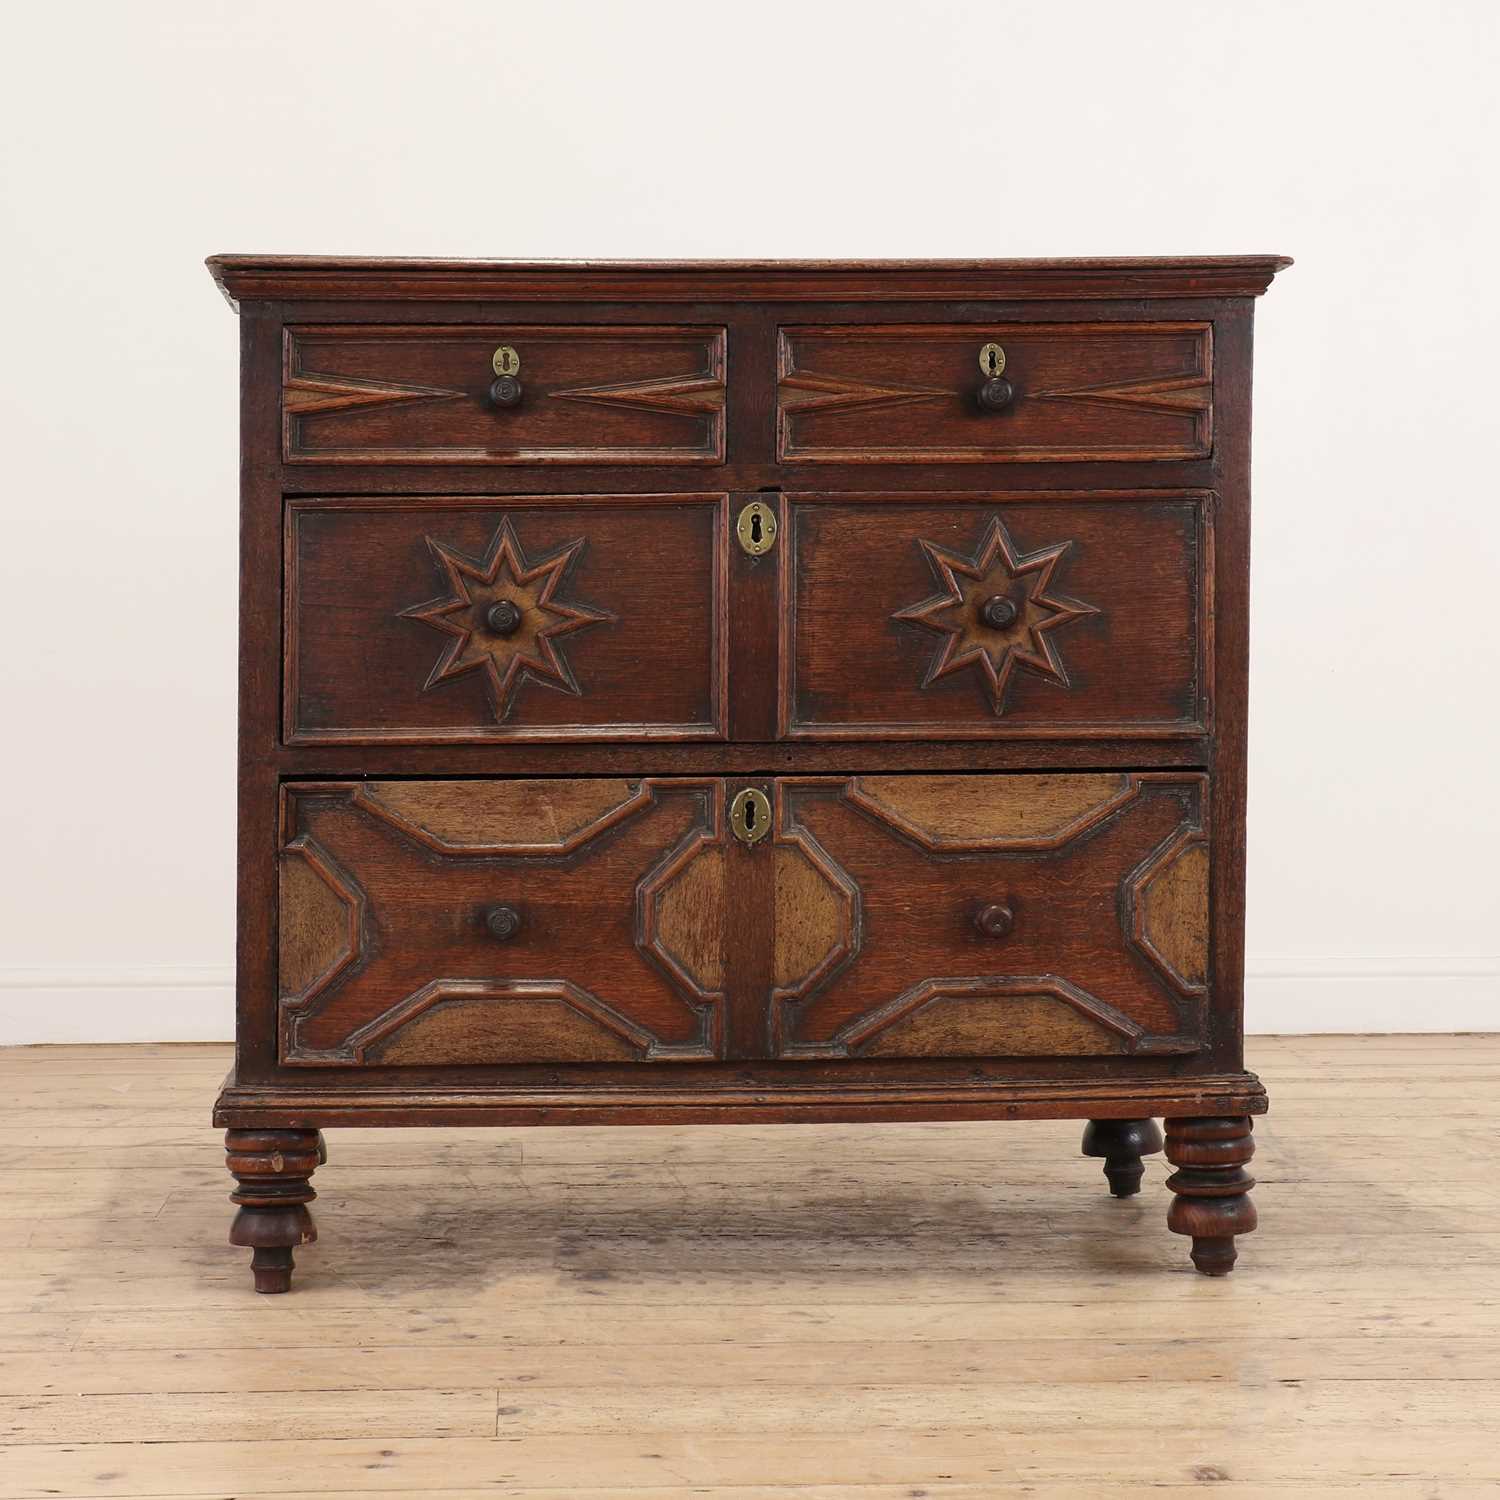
(995, 611)
(504, 617)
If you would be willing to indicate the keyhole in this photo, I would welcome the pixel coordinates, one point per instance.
(750, 817)
(755, 529)
(990, 361)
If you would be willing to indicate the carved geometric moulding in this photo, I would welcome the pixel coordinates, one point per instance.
(995, 612)
(504, 617)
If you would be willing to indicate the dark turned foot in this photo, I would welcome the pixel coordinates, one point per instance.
(1122, 1144)
(1211, 1188)
(272, 1171)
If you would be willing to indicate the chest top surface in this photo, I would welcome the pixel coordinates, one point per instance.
(340, 278)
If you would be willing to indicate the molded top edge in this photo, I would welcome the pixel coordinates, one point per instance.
(332, 278)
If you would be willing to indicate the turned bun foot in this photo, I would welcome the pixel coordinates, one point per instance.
(272, 1268)
(1122, 1144)
(1211, 1188)
(272, 1171)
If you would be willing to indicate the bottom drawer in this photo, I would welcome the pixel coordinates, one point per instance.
(449, 923)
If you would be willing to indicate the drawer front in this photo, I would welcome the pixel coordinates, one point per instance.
(1075, 391)
(474, 922)
(990, 916)
(460, 923)
(586, 395)
(475, 620)
(970, 617)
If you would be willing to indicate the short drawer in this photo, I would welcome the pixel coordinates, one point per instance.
(474, 619)
(508, 394)
(971, 616)
(916, 393)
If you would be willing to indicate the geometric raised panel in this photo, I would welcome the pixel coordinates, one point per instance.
(993, 611)
(524, 644)
(321, 914)
(980, 812)
(1168, 899)
(682, 911)
(504, 816)
(815, 913)
(1024, 1017)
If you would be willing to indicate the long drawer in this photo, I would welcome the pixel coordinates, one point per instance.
(460, 923)
(901, 616)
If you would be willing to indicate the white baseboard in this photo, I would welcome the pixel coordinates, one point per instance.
(166, 1003)
(195, 1003)
(1306, 995)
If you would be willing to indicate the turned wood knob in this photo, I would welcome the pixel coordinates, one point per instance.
(503, 922)
(503, 617)
(996, 394)
(505, 391)
(998, 612)
(995, 921)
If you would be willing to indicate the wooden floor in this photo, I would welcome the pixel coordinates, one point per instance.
(820, 1312)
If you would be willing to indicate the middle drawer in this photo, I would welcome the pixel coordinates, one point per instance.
(894, 617)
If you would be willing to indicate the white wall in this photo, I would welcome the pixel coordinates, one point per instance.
(1360, 137)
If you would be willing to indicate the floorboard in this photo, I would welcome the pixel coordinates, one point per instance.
(954, 1312)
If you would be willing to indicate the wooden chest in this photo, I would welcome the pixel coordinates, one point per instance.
(715, 692)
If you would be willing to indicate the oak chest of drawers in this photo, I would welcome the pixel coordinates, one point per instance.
(700, 692)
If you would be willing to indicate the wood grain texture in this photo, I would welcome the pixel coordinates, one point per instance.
(906, 393)
(342, 279)
(1170, 916)
(272, 1171)
(387, 638)
(942, 1298)
(1038, 812)
(916, 976)
(618, 952)
(1211, 1187)
(868, 903)
(879, 638)
(503, 817)
(398, 394)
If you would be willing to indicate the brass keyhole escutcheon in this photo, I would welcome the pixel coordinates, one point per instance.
(750, 816)
(506, 361)
(992, 360)
(756, 528)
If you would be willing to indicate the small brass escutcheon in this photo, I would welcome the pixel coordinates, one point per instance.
(992, 360)
(750, 816)
(756, 528)
(506, 361)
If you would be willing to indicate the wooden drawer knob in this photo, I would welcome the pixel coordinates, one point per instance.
(996, 394)
(503, 922)
(505, 391)
(503, 617)
(998, 612)
(995, 921)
